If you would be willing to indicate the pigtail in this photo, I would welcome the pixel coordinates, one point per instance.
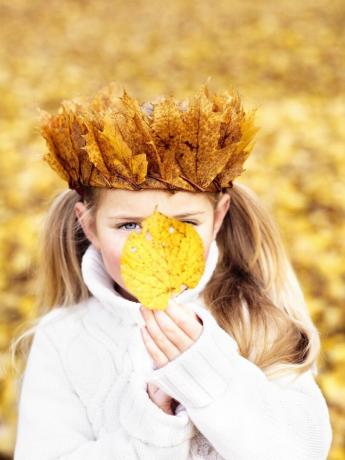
(62, 245)
(58, 277)
(254, 293)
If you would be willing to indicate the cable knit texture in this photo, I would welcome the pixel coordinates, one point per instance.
(83, 394)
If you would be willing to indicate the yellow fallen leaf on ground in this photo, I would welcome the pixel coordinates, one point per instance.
(161, 260)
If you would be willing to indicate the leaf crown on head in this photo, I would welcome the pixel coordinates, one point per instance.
(113, 141)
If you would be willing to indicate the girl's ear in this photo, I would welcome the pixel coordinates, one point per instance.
(219, 213)
(86, 223)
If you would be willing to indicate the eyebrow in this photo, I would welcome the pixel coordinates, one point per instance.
(141, 218)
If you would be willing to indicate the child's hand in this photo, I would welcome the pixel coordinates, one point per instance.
(169, 332)
(161, 399)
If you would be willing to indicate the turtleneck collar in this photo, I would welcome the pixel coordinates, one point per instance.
(101, 285)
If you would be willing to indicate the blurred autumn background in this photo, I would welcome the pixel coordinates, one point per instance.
(285, 57)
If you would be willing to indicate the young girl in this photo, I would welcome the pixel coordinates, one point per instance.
(227, 371)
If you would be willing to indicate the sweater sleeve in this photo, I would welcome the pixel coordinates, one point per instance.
(242, 413)
(53, 423)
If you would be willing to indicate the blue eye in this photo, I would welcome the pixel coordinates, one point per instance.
(127, 223)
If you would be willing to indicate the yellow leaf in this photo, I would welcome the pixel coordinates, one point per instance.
(161, 260)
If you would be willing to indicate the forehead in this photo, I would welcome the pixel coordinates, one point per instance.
(144, 201)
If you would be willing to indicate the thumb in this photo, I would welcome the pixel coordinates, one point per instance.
(152, 388)
(190, 309)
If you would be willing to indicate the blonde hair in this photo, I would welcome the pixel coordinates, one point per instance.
(253, 294)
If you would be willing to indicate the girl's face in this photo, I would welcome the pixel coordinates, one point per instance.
(121, 211)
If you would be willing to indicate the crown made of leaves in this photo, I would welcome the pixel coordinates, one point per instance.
(113, 141)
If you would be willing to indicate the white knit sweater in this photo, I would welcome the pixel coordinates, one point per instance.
(83, 394)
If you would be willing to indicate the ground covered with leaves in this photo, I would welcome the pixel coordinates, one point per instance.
(286, 58)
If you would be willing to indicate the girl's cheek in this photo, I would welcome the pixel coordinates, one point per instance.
(112, 263)
(205, 234)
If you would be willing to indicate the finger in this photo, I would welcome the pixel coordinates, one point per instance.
(174, 333)
(152, 388)
(157, 394)
(159, 336)
(159, 358)
(189, 324)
